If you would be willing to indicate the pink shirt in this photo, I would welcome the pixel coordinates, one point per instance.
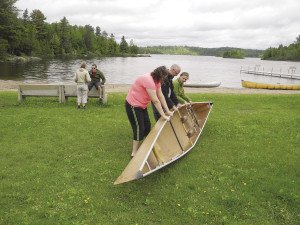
(137, 95)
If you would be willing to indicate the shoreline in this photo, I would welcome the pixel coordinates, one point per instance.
(10, 85)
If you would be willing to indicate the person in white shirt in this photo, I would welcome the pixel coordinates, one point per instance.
(82, 78)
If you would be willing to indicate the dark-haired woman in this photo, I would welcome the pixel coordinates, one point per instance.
(146, 88)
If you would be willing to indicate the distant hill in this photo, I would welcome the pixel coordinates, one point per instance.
(188, 50)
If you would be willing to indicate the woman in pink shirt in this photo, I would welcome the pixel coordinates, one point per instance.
(146, 88)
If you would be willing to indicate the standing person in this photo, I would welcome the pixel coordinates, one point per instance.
(178, 88)
(146, 88)
(168, 91)
(82, 78)
(97, 78)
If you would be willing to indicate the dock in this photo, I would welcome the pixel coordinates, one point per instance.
(256, 71)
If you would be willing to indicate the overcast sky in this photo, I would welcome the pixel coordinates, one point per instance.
(256, 24)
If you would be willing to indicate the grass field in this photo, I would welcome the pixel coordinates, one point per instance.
(58, 165)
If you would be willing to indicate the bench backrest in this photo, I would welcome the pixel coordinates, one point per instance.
(70, 90)
(40, 89)
(62, 91)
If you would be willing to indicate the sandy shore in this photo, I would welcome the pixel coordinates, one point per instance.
(13, 85)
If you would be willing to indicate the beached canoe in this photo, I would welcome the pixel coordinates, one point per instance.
(168, 141)
(204, 85)
(249, 84)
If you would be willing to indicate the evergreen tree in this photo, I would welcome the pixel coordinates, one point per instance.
(38, 21)
(63, 34)
(123, 45)
(104, 34)
(98, 31)
(8, 24)
(88, 37)
(26, 16)
(133, 49)
(298, 40)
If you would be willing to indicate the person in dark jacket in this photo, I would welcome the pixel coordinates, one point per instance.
(97, 78)
(168, 91)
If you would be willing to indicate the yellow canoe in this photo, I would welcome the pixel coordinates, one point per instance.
(168, 141)
(249, 84)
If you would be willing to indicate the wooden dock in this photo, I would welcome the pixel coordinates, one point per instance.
(258, 72)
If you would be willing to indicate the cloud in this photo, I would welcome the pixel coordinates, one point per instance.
(246, 24)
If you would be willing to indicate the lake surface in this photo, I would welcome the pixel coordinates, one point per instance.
(118, 70)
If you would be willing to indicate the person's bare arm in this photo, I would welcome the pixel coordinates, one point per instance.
(156, 102)
(163, 102)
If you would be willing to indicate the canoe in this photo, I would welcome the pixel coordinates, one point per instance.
(249, 84)
(168, 141)
(204, 85)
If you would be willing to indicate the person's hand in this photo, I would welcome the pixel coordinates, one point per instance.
(178, 105)
(174, 108)
(167, 118)
(169, 113)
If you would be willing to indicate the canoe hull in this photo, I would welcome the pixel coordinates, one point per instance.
(249, 84)
(168, 141)
(203, 85)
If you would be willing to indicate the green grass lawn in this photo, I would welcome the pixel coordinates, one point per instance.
(58, 165)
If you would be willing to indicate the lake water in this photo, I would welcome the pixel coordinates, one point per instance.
(118, 70)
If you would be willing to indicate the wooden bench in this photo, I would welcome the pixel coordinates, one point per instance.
(62, 91)
(43, 90)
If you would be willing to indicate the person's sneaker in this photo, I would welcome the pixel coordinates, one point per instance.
(78, 107)
(83, 107)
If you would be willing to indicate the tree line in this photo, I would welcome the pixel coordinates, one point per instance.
(233, 53)
(290, 53)
(30, 35)
(188, 50)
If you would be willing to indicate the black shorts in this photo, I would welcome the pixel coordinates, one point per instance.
(94, 83)
(139, 120)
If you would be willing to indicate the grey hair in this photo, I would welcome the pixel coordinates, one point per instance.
(175, 67)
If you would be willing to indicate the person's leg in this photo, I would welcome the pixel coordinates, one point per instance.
(135, 117)
(98, 87)
(84, 95)
(147, 123)
(78, 96)
(90, 85)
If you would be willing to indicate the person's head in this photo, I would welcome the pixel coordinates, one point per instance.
(83, 65)
(184, 76)
(159, 74)
(94, 67)
(174, 70)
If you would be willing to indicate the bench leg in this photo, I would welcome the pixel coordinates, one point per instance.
(62, 97)
(20, 97)
(104, 99)
(103, 95)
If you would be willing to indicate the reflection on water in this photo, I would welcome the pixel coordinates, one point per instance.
(120, 70)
